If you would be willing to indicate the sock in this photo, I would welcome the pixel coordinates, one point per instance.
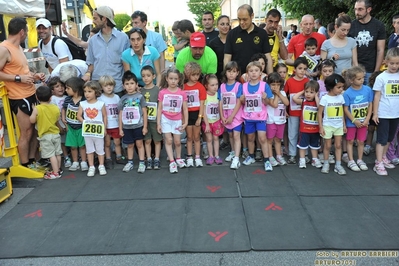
(118, 156)
(189, 156)
(302, 159)
(217, 157)
(25, 164)
(265, 160)
(197, 157)
(172, 161)
(108, 158)
(337, 163)
(156, 159)
(31, 160)
(148, 159)
(244, 149)
(314, 158)
(235, 157)
(141, 161)
(130, 161)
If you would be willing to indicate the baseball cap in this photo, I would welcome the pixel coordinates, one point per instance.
(42, 21)
(197, 39)
(107, 12)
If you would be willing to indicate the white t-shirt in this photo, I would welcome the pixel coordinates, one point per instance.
(277, 115)
(388, 84)
(59, 101)
(111, 106)
(60, 48)
(80, 65)
(333, 110)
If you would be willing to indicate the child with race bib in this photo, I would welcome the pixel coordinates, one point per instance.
(385, 109)
(358, 108)
(309, 126)
(255, 98)
(332, 121)
(196, 95)
(111, 101)
(132, 120)
(212, 126)
(172, 109)
(231, 110)
(93, 116)
(150, 93)
(69, 114)
(276, 118)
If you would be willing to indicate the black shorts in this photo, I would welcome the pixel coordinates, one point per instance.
(131, 135)
(25, 105)
(192, 117)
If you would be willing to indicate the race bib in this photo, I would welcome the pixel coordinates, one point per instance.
(279, 112)
(309, 114)
(391, 90)
(293, 105)
(193, 98)
(212, 111)
(334, 112)
(359, 111)
(253, 103)
(94, 129)
(130, 115)
(172, 103)
(72, 114)
(152, 109)
(112, 111)
(229, 100)
(312, 63)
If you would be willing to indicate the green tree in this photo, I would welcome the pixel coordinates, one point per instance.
(121, 20)
(198, 7)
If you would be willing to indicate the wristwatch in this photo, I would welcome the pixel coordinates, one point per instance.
(17, 78)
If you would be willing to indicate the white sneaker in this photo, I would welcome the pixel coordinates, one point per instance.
(316, 163)
(235, 163)
(339, 170)
(127, 167)
(181, 163)
(198, 162)
(273, 161)
(345, 158)
(173, 168)
(84, 166)
(141, 168)
(258, 155)
(331, 159)
(101, 170)
(326, 168)
(75, 166)
(281, 160)
(302, 164)
(92, 171)
(249, 160)
(230, 157)
(321, 157)
(189, 162)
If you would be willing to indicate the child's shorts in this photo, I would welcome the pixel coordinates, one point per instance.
(308, 140)
(332, 131)
(170, 126)
(192, 117)
(131, 135)
(254, 126)
(359, 133)
(216, 128)
(386, 130)
(94, 145)
(275, 131)
(153, 132)
(74, 138)
(50, 145)
(237, 128)
(113, 133)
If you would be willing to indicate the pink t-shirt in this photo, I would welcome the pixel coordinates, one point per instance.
(172, 103)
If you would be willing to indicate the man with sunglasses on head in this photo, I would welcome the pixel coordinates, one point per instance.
(139, 20)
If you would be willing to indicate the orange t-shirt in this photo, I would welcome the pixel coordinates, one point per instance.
(195, 94)
(17, 66)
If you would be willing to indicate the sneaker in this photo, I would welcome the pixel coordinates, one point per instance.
(387, 163)
(273, 161)
(150, 164)
(281, 160)
(84, 166)
(302, 164)
(249, 160)
(141, 168)
(230, 156)
(362, 165)
(291, 160)
(316, 163)
(181, 163)
(205, 153)
(307, 160)
(173, 168)
(121, 160)
(189, 162)
(101, 170)
(223, 145)
(367, 150)
(157, 165)
(43, 163)
(258, 155)
(60, 172)
(67, 162)
(395, 161)
(380, 169)
(245, 154)
(91, 171)
(353, 166)
(321, 157)
(268, 166)
(218, 160)
(339, 170)
(331, 159)
(326, 168)
(75, 166)
(198, 162)
(345, 158)
(210, 160)
(183, 141)
(284, 150)
(109, 164)
(235, 163)
(51, 175)
(127, 167)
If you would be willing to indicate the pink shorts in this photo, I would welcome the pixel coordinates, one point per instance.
(275, 131)
(360, 133)
(113, 133)
(216, 128)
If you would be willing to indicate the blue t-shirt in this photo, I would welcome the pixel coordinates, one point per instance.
(358, 101)
(254, 88)
(230, 88)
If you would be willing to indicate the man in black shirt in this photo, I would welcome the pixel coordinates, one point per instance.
(209, 31)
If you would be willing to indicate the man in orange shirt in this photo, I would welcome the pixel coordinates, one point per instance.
(19, 81)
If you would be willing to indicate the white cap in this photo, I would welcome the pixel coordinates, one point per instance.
(42, 21)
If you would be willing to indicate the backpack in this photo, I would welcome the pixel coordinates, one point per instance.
(76, 51)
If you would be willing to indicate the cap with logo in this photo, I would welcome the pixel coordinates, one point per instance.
(42, 21)
(197, 39)
(107, 12)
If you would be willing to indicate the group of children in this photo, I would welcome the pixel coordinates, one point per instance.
(253, 113)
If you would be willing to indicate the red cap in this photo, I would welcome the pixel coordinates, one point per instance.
(197, 39)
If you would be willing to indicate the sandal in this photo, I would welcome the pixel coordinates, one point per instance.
(362, 165)
(353, 166)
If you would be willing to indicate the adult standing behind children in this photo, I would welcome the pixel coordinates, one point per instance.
(370, 36)
(217, 44)
(105, 48)
(209, 31)
(275, 34)
(14, 71)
